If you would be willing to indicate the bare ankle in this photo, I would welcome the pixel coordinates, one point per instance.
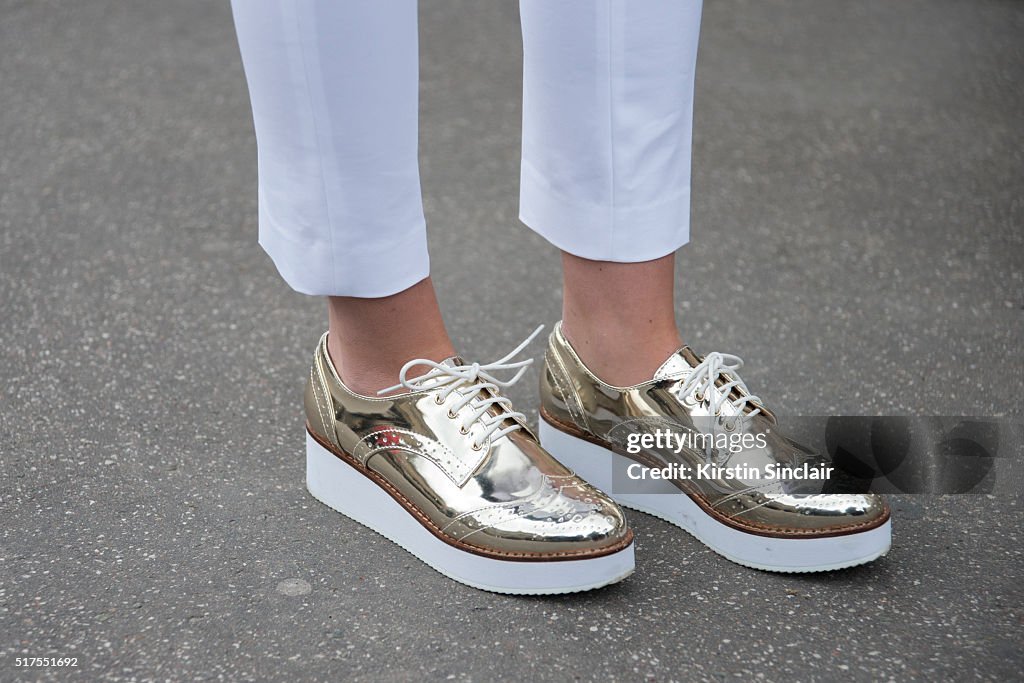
(622, 355)
(620, 317)
(369, 340)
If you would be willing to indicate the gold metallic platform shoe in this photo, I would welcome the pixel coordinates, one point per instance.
(451, 473)
(694, 447)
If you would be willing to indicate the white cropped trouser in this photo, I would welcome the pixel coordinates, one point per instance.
(607, 118)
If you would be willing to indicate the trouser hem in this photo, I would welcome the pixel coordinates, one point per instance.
(373, 269)
(602, 232)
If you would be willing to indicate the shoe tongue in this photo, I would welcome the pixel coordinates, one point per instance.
(493, 410)
(678, 365)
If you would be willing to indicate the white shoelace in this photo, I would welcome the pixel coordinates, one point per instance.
(703, 380)
(468, 381)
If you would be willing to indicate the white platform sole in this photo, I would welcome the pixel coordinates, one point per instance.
(341, 487)
(601, 467)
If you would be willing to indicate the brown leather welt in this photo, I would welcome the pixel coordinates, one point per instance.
(429, 525)
(698, 498)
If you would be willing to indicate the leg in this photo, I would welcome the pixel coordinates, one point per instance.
(607, 181)
(441, 466)
(607, 118)
(334, 89)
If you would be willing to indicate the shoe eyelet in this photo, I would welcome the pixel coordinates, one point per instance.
(451, 415)
(477, 447)
(463, 430)
(698, 396)
(438, 400)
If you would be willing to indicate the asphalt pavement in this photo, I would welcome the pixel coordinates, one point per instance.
(858, 238)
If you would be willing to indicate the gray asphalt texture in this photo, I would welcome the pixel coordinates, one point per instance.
(858, 237)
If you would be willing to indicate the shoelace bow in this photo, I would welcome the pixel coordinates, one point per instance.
(704, 377)
(468, 381)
